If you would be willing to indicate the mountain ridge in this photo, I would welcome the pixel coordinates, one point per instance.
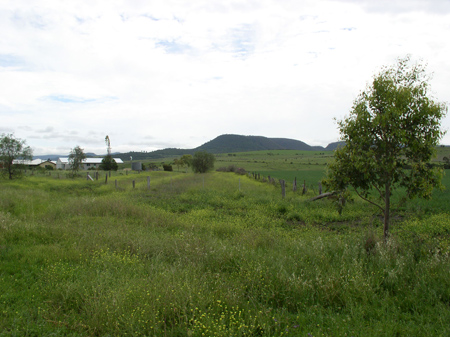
(225, 143)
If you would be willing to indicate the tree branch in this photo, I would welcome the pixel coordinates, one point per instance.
(376, 187)
(323, 195)
(369, 201)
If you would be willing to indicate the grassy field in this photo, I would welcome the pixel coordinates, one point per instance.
(217, 255)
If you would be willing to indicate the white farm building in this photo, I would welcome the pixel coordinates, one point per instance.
(63, 163)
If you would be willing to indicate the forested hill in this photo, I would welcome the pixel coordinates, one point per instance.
(229, 144)
(222, 144)
(237, 143)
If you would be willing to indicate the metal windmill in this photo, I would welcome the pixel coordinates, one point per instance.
(108, 143)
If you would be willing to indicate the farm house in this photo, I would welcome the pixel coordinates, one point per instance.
(34, 163)
(63, 163)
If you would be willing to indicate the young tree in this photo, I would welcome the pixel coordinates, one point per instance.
(108, 164)
(12, 148)
(76, 158)
(187, 160)
(178, 162)
(393, 124)
(202, 162)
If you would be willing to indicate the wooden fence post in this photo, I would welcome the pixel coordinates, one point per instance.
(134, 183)
(294, 187)
(106, 178)
(304, 187)
(283, 188)
(320, 188)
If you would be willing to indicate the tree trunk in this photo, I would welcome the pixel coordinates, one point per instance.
(387, 205)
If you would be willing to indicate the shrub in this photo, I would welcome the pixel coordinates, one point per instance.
(203, 162)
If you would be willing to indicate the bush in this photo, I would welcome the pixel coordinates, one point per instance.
(167, 167)
(108, 164)
(203, 162)
(232, 168)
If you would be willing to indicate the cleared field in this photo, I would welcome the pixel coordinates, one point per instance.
(215, 255)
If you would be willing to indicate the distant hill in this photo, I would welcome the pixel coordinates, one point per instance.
(54, 157)
(334, 146)
(237, 143)
(222, 144)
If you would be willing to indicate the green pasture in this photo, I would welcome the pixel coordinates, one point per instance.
(218, 254)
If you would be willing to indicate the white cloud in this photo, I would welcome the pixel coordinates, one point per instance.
(184, 72)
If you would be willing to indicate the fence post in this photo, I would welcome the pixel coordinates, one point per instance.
(148, 182)
(283, 188)
(134, 183)
(320, 188)
(106, 178)
(294, 187)
(304, 187)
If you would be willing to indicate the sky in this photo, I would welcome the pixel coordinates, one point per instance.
(154, 74)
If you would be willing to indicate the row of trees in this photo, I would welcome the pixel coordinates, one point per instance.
(12, 149)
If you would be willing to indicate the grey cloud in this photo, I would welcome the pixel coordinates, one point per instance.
(68, 137)
(46, 130)
(403, 6)
(6, 130)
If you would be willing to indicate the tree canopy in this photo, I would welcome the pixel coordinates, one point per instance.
(108, 163)
(12, 148)
(76, 158)
(393, 124)
(202, 162)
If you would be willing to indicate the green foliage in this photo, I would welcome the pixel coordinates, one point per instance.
(11, 149)
(108, 164)
(184, 161)
(76, 158)
(202, 162)
(393, 123)
(167, 167)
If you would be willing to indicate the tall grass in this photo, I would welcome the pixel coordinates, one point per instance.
(202, 255)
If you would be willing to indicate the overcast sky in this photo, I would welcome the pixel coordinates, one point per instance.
(155, 74)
